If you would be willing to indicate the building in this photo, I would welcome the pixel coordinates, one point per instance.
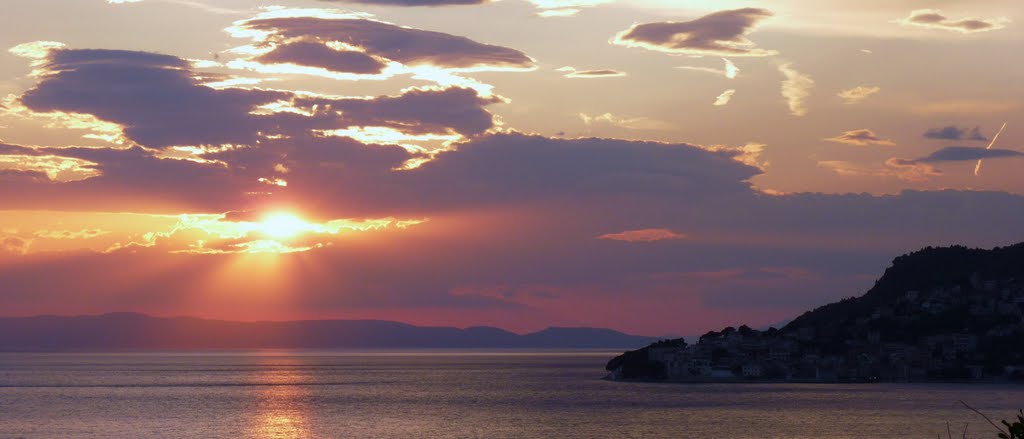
(751, 370)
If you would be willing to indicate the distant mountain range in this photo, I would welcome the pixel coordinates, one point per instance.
(938, 314)
(131, 331)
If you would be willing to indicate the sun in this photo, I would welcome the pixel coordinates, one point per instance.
(283, 225)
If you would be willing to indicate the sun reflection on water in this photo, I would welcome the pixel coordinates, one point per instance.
(280, 410)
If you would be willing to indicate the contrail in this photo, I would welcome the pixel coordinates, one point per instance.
(977, 168)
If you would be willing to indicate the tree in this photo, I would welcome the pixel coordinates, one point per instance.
(1014, 430)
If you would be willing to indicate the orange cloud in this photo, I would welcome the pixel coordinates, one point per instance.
(911, 170)
(644, 235)
(796, 89)
(857, 94)
(860, 137)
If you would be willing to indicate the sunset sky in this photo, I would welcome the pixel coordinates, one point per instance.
(652, 166)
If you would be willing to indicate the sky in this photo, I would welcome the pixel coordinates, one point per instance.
(653, 166)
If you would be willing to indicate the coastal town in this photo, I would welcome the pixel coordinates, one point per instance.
(954, 332)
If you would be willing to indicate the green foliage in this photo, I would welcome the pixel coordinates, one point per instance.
(1014, 430)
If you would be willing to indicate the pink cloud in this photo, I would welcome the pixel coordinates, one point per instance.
(643, 235)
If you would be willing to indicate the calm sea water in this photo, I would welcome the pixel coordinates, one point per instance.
(447, 395)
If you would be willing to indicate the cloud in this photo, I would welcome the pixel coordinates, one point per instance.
(548, 8)
(543, 202)
(377, 40)
(846, 168)
(722, 33)
(23, 176)
(857, 94)
(796, 88)
(307, 53)
(70, 234)
(188, 3)
(572, 73)
(643, 235)
(415, 2)
(634, 123)
(911, 170)
(339, 177)
(564, 8)
(935, 19)
(159, 101)
(724, 98)
(902, 169)
(584, 167)
(23, 162)
(969, 107)
(967, 153)
(416, 111)
(730, 71)
(957, 154)
(922, 168)
(123, 87)
(955, 133)
(860, 137)
(748, 154)
(131, 179)
(13, 246)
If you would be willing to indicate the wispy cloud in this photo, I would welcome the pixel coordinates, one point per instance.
(724, 98)
(635, 123)
(729, 71)
(857, 94)
(70, 234)
(965, 107)
(796, 88)
(416, 2)
(189, 3)
(564, 8)
(902, 169)
(572, 73)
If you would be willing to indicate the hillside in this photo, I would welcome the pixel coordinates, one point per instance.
(931, 269)
(941, 314)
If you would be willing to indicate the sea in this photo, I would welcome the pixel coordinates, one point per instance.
(452, 394)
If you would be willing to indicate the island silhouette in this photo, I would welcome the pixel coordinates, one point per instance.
(133, 331)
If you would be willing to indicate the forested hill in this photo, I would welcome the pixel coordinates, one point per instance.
(938, 314)
(924, 271)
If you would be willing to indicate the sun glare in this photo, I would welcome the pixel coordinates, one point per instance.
(283, 225)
